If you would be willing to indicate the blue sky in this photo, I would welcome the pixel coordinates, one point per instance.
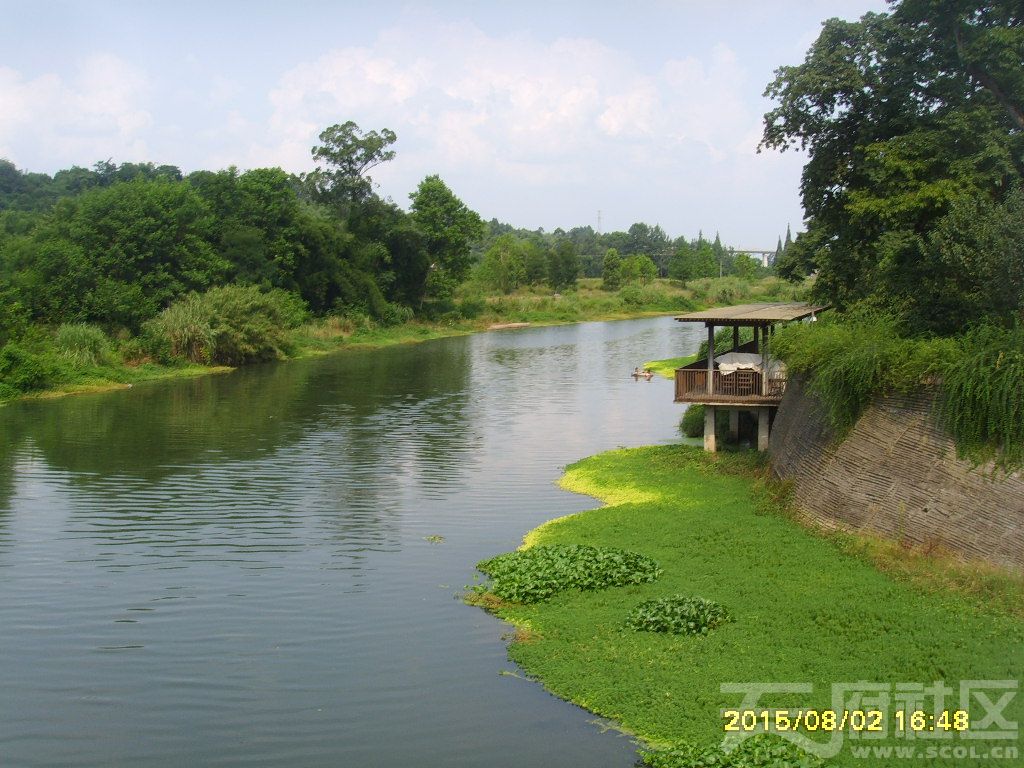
(538, 114)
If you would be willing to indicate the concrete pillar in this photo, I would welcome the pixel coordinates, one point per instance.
(709, 429)
(734, 425)
(762, 429)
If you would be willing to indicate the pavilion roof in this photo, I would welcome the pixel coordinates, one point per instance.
(753, 314)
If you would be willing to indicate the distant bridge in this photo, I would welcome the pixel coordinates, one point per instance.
(764, 255)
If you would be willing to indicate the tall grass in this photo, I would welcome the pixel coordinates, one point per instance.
(982, 400)
(979, 376)
(231, 325)
(82, 344)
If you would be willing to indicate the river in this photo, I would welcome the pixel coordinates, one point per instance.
(242, 569)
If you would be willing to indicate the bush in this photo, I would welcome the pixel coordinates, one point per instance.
(232, 325)
(692, 423)
(394, 314)
(719, 290)
(83, 344)
(679, 615)
(761, 751)
(536, 574)
(23, 371)
(472, 307)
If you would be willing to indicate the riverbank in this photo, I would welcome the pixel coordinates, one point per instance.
(116, 364)
(808, 608)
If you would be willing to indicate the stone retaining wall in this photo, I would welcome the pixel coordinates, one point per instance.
(897, 474)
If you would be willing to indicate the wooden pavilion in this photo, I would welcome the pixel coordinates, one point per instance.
(744, 378)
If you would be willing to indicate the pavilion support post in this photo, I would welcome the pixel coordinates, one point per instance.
(709, 429)
(735, 338)
(711, 359)
(734, 425)
(764, 362)
(762, 428)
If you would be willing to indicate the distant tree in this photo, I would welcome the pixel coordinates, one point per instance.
(115, 255)
(344, 156)
(611, 271)
(745, 267)
(638, 268)
(503, 266)
(563, 265)
(535, 260)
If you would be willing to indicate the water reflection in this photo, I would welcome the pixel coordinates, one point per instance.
(234, 569)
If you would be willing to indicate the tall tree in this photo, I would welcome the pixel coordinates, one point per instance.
(344, 156)
(611, 270)
(900, 127)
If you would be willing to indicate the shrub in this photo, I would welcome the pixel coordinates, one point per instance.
(536, 574)
(23, 371)
(83, 344)
(472, 307)
(679, 615)
(393, 314)
(761, 751)
(692, 423)
(719, 290)
(231, 325)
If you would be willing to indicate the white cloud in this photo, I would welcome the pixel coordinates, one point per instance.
(97, 113)
(511, 107)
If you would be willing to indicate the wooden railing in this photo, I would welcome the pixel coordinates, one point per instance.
(692, 385)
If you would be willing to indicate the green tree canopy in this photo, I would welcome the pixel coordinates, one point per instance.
(344, 156)
(611, 271)
(450, 228)
(905, 117)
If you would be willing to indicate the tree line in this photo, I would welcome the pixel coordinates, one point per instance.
(116, 245)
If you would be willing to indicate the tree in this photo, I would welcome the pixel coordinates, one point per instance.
(503, 266)
(611, 271)
(116, 255)
(449, 228)
(745, 267)
(905, 118)
(344, 156)
(536, 261)
(563, 265)
(638, 268)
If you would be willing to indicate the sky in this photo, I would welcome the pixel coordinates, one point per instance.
(540, 114)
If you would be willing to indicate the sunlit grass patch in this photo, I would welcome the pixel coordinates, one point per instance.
(807, 608)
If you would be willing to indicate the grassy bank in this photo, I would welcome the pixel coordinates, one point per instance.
(805, 608)
(75, 358)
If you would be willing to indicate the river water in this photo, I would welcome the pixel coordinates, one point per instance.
(235, 570)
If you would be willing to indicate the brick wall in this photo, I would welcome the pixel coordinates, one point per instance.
(897, 474)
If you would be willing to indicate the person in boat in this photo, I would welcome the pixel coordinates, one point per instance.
(636, 373)
(648, 374)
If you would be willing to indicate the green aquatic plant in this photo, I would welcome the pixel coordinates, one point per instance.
(536, 574)
(761, 751)
(679, 615)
